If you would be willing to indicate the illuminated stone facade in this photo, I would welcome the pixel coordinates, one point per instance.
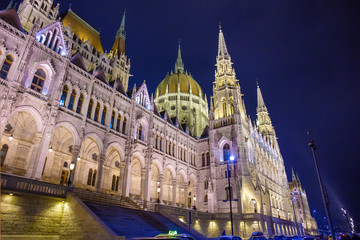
(301, 206)
(65, 102)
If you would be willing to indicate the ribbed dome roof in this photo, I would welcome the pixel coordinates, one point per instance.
(187, 85)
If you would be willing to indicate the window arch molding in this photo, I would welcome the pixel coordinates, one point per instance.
(49, 72)
(223, 141)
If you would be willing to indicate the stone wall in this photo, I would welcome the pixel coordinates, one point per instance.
(30, 216)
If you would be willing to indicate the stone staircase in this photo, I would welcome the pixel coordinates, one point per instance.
(133, 223)
(104, 198)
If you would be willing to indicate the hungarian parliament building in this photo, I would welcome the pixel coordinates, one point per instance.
(70, 116)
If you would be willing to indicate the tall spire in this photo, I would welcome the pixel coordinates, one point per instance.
(10, 5)
(179, 65)
(222, 49)
(121, 32)
(118, 47)
(263, 120)
(260, 101)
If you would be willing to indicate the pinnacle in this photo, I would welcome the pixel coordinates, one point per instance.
(222, 49)
(179, 66)
(260, 100)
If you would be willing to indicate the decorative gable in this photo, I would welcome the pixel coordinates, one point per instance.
(52, 37)
(142, 96)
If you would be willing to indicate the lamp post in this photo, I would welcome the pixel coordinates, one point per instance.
(72, 165)
(323, 193)
(254, 202)
(158, 193)
(232, 158)
(194, 202)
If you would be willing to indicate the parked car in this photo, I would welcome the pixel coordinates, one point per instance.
(257, 236)
(280, 237)
(228, 237)
(175, 236)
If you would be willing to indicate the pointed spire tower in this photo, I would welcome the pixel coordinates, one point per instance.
(118, 47)
(179, 65)
(263, 119)
(226, 88)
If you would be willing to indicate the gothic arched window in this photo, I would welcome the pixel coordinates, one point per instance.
(156, 141)
(6, 66)
(140, 129)
(91, 104)
(3, 152)
(80, 103)
(38, 80)
(117, 183)
(64, 95)
(207, 159)
(97, 112)
(112, 120)
(118, 122)
(113, 182)
(89, 177)
(203, 159)
(224, 108)
(206, 184)
(72, 99)
(124, 126)
(228, 193)
(93, 178)
(226, 151)
(160, 144)
(103, 116)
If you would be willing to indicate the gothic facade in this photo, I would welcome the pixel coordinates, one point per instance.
(66, 104)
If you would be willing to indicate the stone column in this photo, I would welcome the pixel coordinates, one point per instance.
(42, 152)
(161, 180)
(186, 193)
(196, 193)
(75, 150)
(122, 173)
(142, 184)
(100, 172)
(34, 154)
(174, 192)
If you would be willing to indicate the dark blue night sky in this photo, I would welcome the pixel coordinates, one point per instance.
(305, 55)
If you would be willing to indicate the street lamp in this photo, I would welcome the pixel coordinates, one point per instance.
(254, 202)
(232, 158)
(323, 193)
(158, 193)
(194, 202)
(72, 166)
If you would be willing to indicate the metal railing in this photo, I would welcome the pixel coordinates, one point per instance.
(20, 184)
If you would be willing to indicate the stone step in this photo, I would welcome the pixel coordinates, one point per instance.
(133, 223)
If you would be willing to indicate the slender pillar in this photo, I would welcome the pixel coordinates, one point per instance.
(75, 150)
(174, 192)
(122, 174)
(100, 172)
(34, 154)
(143, 184)
(161, 180)
(42, 152)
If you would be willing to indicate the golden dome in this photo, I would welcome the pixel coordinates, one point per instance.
(187, 85)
